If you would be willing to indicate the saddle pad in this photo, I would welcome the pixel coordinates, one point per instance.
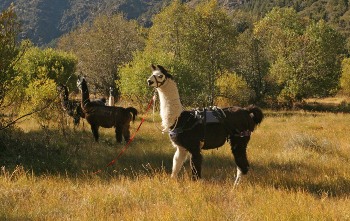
(212, 117)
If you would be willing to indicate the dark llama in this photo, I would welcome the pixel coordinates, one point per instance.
(73, 107)
(106, 116)
(192, 131)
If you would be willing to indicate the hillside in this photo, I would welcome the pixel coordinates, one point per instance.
(45, 20)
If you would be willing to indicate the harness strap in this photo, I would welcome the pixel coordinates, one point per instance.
(160, 83)
(177, 130)
(245, 133)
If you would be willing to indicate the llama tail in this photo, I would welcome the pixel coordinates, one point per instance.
(133, 111)
(256, 113)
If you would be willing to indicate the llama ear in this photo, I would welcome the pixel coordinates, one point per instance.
(161, 68)
(153, 67)
(165, 72)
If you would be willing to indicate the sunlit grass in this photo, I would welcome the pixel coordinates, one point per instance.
(299, 160)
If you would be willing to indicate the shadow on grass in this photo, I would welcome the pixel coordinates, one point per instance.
(300, 176)
(49, 152)
(273, 114)
(343, 107)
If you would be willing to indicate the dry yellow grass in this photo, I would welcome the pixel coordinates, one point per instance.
(300, 165)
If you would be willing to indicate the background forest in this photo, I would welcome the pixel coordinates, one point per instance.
(221, 52)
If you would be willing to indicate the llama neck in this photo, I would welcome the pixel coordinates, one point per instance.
(64, 99)
(110, 100)
(170, 104)
(85, 94)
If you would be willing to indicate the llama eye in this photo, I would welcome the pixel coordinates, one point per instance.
(160, 76)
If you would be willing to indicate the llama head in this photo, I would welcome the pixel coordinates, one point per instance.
(158, 77)
(80, 81)
(60, 88)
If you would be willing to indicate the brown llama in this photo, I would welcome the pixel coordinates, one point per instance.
(73, 107)
(106, 116)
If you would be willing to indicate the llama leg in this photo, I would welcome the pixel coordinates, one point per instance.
(118, 133)
(238, 176)
(126, 132)
(196, 164)
(238, 147)
(178, 160)
(76, 119)
(94, 130)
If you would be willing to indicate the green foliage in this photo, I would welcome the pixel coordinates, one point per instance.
(133, 78)
(44, 20)
(325, 50)
(198, 44)
(305, 60)
(38, 73)
(170, 30)
(252, 64)
(102, 46)
(232, 90)
(280, 33)
(48, 63)
(211, 43)
(345, 76)
(9, 49)
(279, 29)
(40, 96)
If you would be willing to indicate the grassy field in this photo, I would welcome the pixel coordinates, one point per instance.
(300, 170)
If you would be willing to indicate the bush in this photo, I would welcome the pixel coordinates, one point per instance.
(233, 90)
(40, 96)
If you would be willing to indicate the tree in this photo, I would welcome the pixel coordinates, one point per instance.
(168, 44)
(39, 71)
(325, 50)
(9, 49)
(252, 64)
(233, 90)
(304, 60)
(198, 44)
(211, 43)
(49, 63)
(102, 47)
(41, 97)
(279, 31)
(345, 77)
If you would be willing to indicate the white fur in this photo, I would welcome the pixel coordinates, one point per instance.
(111, 101)
(178, 160)
(169, 98)
(238, 176)
(170, 104)
(111, 97)
(170, 110)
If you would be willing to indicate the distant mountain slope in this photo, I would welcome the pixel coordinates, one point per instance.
(45, 20)
(40, 19)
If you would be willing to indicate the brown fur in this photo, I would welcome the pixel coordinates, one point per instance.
(106, 116)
